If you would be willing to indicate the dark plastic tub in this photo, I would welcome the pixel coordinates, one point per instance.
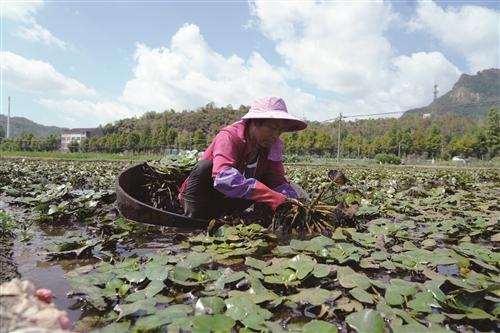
(131, 204)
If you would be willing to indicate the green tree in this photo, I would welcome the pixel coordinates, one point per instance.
(481, 148)
(323, 141)
(349, 145)
(145, 140)
(157, 135)
(406, 142)
(433, 142)
(492, 132)
(53, 142)
(379, 144)
(199, 140)
(463, 146)
(133, 139)
(73, 146)
(183, 141)
(395, 137)
(171, 136)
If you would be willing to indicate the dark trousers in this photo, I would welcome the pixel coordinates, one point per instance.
(202, 200)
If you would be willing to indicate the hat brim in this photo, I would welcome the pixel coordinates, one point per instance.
(293, 124)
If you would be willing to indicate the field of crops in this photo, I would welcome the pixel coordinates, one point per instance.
(418, 254)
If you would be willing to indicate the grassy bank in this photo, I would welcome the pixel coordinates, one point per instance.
(79, 156)
(305, 161)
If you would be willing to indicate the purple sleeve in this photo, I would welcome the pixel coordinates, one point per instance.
(287, 190)
(231, 183)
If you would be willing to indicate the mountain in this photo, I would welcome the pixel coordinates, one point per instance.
(20, 125)
(472, 97)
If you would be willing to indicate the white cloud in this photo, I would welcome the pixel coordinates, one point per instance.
(342, 48)
(411, 88)
(407, 89)
(471, 30)
(39, 77)
(37, 33)
(20, 10)
(24, 12)
(190, 74)
(337, 46)
(85, 113)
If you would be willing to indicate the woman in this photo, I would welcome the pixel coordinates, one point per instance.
(243, 164)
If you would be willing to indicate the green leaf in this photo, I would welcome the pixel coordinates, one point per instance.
(162, 317)
(153, 288)
(142, 307)
(411, 328)
(246, 311)
(136, 296)
(322, 270)
(366, 321)
(423, 302)
(362, 295)
(319, 326)
(156, 272)
(195, 259)
(115, 327)
(185, 276)
(210, 305)
(393, 295)
(216, 323)
(302, 264)
(477, 314)
(255, 263)
(397, 290)
(135, 276)
(314, 296)
(350, 279)
(228, 276)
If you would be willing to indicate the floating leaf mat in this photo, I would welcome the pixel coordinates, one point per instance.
(420, 254)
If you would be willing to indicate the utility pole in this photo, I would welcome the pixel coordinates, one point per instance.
(434, 111)
(8, 119)
(338, 139)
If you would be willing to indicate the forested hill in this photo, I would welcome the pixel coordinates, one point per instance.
(208, 118)
(21, 125)
(472, 96)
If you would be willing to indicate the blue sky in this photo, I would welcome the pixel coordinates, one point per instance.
(85, 63)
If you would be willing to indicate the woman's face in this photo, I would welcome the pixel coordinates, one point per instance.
(268, 131)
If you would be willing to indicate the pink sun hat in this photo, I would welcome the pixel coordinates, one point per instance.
(271, 107)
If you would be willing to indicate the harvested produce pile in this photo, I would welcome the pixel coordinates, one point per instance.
(24, 310)
(315, 216)
(164, 179)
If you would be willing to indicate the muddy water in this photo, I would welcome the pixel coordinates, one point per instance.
(32, 262)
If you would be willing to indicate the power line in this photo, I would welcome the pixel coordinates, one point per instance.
(448, 105)
(364, 115)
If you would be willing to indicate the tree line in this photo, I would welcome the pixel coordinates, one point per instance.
(435, 137)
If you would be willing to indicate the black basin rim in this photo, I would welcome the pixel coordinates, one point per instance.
(130, 207)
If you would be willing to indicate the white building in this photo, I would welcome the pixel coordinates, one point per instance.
(77, 134)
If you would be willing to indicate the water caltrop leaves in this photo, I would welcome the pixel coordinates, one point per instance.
(421, 254)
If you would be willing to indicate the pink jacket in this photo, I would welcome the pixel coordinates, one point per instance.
(230, 152)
